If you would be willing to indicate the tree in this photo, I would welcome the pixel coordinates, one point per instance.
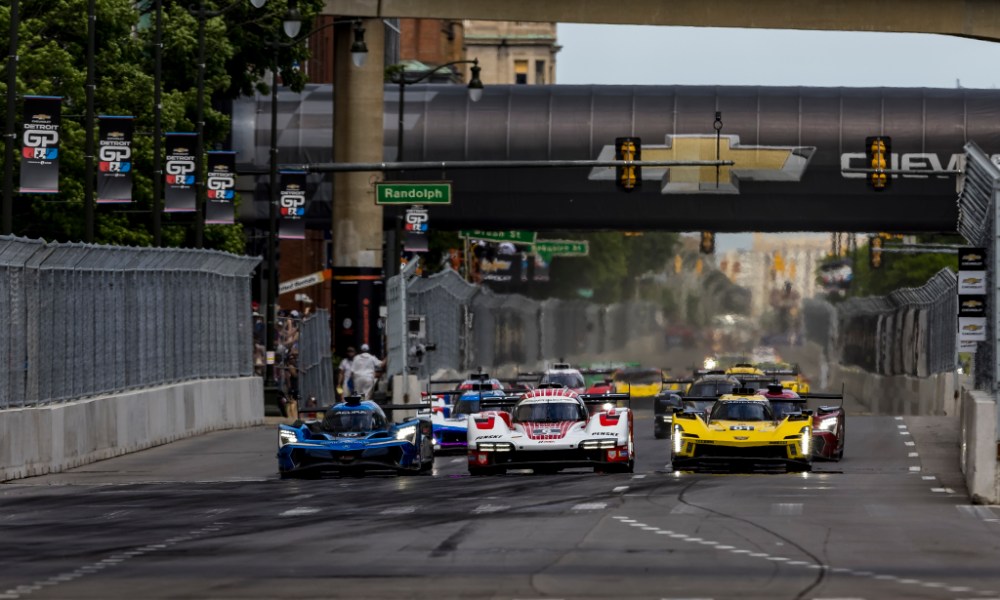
(52, 52)
(900, 270)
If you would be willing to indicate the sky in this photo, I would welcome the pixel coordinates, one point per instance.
(652, 55)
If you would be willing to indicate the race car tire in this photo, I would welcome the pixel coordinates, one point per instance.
(843, 439)
(660, 434)
(800, 468)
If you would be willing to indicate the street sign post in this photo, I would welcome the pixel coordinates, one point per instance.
(516, 237)
(414, 192)
(549, 248)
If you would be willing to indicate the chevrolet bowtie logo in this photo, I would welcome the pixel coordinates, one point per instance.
(751, 163)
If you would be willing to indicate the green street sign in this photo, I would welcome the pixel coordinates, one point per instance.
(549, 248)
(517, 237)
(437, 192)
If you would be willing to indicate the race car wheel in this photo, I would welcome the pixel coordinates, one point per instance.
(800, 468)
(660, 434)
(427, 456)
(843, 438)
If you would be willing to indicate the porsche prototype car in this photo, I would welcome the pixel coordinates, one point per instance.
(550, 429)
(829, 422)
(742, 432)
(355, 436)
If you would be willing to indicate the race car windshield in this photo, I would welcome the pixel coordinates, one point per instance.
(549, 412)
(711, 388)
(350, 421)
(741, 411)
(465, 407)
(702, 406)
(570, 380)
(783, 408)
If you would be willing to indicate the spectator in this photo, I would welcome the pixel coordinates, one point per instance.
(363, 372)
(345, 386)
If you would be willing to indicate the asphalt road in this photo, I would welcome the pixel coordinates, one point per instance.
(209, 518)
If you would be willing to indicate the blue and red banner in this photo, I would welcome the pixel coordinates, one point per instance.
(114, 154)
(179, 195)
(292, 203)
(221, 184)
(40, 145)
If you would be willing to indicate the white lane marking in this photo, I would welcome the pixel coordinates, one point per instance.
(928, 477)
(943, 490)
(457, 460)
(959, 589)
(638, 477)
(759, 554)
(665, 532)
(901, 426)
(489, 508)
(786, 509)
(913, 455)
(298, 511)
(399, 510)
(798, 563)
(914, 469)
(620, 517)
(627, 520)
(637, 524)
(723, 547)
(904, 433)
(590, 506)
(911, 444)
(898, 418)
(620, 488)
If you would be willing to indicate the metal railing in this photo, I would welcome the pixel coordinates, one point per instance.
(315, 360)
(80, 320)
(911, 331)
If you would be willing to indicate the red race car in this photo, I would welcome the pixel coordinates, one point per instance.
(829, 422)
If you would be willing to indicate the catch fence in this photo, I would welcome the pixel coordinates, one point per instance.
(911, 331)
(472, 326)
(80, 320)
(315, 360)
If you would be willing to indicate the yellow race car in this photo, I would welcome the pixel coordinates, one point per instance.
(638, 381)
(788, 376)
(742, 432)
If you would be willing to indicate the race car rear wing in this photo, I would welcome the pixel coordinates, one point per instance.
(501, 403)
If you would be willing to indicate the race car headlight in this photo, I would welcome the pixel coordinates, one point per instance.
(806, 441)
(607, 406)
(678, 443)
(286, 436)
(598, 443)
(828, 424)
(709, 363)
(494, 446)
(407, 433)
(667, 418)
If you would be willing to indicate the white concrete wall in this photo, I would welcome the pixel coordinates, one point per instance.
(897, 394)
(48, 439)
(979, 446)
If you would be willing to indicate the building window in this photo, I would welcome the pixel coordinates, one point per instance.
(540, 72)
(520, 71)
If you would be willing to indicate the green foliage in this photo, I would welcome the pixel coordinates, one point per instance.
(900, 270)
(52, 53)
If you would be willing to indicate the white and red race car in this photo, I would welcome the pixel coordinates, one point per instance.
(550, 429)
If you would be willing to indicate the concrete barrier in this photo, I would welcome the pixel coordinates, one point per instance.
(979, 446)
(897, 394)
(49, 439)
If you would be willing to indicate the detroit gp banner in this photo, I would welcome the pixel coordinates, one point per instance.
(292, 201)
(114, 159)
(179, 195)
(221, 184)
(40, 145)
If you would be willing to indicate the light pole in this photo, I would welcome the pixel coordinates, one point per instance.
(88, 180)
(291, 24)
(158, 125)
(199, 149)
(475, 93)
(9, 134)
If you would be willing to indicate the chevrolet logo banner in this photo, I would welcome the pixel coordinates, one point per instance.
(752, 163)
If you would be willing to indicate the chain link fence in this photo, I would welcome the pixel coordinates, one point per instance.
(474, 327)
(315, 360)
(911, 331)
(80, 320)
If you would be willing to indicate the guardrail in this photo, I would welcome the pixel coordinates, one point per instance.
(81, 320)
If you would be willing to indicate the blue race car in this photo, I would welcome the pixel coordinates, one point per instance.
(355, 436)
(451, 421)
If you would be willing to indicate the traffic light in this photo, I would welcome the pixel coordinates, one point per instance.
(707, 242)
(878, 151)
(875, 252)
(628, 148)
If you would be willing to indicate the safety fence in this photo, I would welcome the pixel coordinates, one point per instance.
(472, 326)
(316, 358)
(80, 320)
(911, 331)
